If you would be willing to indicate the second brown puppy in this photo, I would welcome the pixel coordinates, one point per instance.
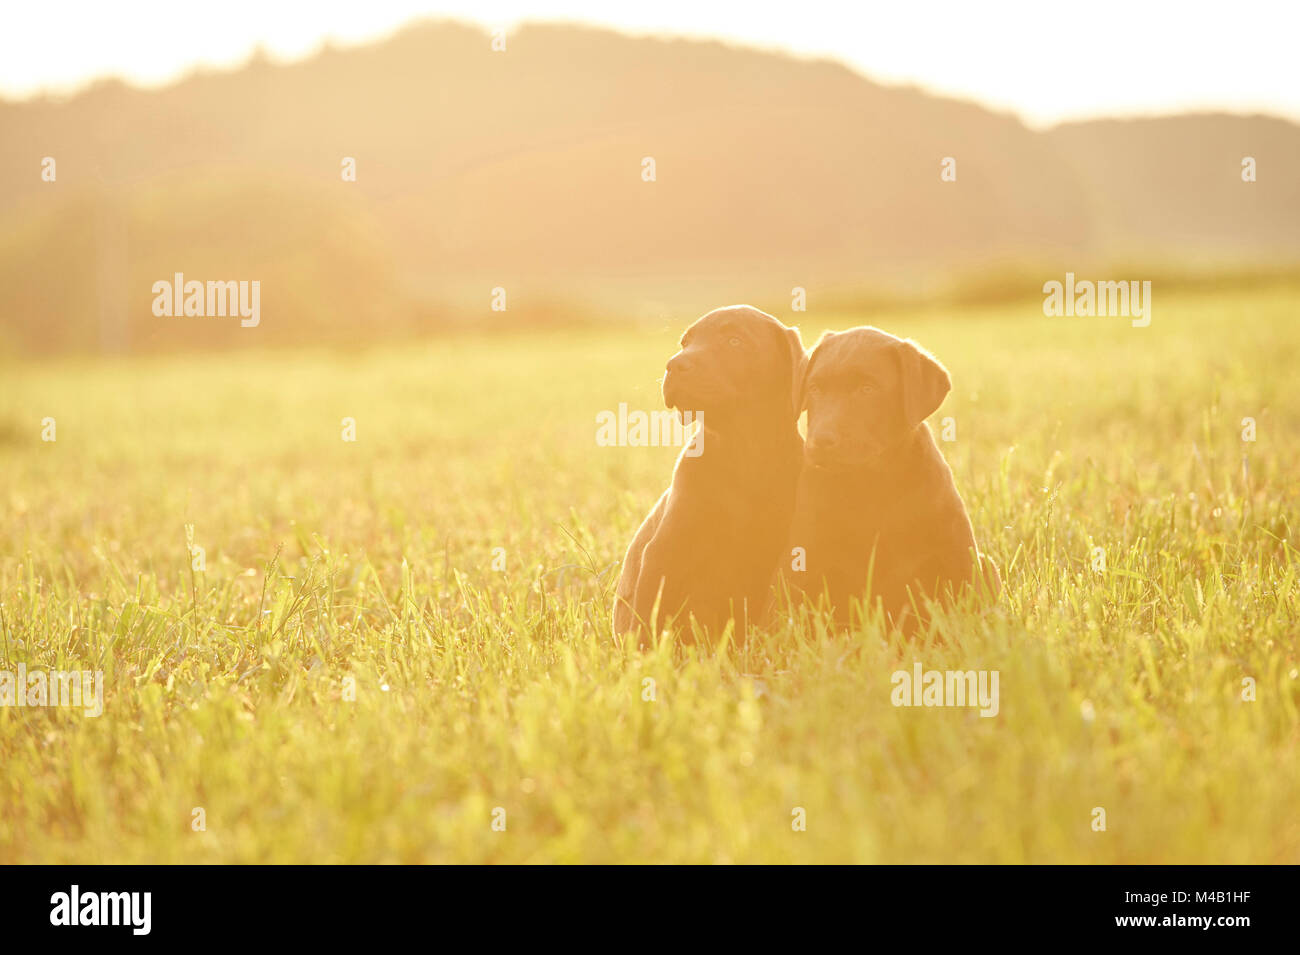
(877, 513)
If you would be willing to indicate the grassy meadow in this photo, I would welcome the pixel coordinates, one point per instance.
(336, 569)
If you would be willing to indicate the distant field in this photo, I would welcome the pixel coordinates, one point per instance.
(477, 688)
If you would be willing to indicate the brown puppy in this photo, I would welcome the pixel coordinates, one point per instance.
(876, 498)
(711, 546)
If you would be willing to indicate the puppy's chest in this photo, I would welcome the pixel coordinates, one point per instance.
(740, 488)
(881, 527)
(746, 534)
(735, 541)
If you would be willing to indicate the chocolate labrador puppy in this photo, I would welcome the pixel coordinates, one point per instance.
(876, 499)
(711, 547)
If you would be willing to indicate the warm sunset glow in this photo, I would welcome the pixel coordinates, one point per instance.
(1044, 61)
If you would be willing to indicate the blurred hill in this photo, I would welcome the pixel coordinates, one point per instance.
(523, 169)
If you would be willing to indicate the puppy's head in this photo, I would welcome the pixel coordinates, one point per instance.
(865, 391)
(736, 362)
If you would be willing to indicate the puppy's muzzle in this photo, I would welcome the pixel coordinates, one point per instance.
(677, 379)
(828, 451)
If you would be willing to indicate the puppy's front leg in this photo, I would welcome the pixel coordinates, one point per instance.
(674, 565)
(625, 619)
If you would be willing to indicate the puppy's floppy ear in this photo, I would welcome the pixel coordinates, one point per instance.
(798, 365)
(924, 381)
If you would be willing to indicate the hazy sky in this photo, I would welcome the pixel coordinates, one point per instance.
(1044, 60)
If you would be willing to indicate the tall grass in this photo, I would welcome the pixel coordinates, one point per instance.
(334, 569)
